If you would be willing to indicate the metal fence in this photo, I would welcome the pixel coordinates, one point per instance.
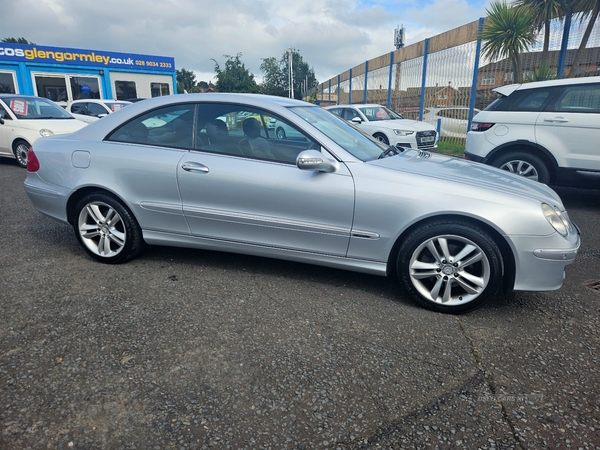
(445, 80)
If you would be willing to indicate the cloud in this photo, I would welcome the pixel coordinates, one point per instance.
(331, 35)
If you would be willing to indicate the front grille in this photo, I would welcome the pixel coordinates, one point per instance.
(426, 139)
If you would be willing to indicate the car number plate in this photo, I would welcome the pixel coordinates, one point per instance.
(428, 139)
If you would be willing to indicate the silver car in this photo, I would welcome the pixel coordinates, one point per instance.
(205, 171)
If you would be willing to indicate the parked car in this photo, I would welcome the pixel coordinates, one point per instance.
(547, 131)
(454, 120)
(454, 233)
(89, 110)
(387, 126)
(25, 118)
(282, 130)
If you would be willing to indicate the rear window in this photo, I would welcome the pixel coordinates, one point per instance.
(524, 100)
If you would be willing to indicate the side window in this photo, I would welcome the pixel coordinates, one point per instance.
(171, 126)
(78, 108)
(336, 111)
(247, 132)
(3, 114)
(578, 99)
(96, 110)
(532, 100)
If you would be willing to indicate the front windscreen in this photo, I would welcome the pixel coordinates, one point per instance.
(35, 108)
(341, 132)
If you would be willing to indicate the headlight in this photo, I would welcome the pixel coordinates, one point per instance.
(403, 132)
(559, 221)
(46, 132)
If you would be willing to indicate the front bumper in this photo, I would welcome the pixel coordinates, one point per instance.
(540, 265)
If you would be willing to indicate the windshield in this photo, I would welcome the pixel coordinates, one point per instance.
(375, 113)
(26, 108)
(352, 140)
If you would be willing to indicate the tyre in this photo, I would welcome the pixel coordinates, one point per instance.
(20, 150)
(450, 267)
(280, 133)
(106, 229)
(381, 138)
(524, 164)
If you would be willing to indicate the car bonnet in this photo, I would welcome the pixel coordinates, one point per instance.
(465, 172)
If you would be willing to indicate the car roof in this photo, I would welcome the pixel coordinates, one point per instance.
(510, 88)
(357, 105)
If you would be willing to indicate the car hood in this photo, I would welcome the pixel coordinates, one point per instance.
(468, 173)
(57, 126)
(403, 123)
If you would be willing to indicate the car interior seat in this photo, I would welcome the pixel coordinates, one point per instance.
(218, 138)
(253, 143)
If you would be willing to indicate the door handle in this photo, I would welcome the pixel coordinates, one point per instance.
(557, 119)
(194, 167)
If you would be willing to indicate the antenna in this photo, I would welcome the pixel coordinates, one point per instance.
(399, 37)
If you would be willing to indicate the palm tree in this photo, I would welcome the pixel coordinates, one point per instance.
(591, 9)
(508, 32)
(543, 11)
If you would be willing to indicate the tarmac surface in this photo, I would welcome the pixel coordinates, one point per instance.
(186, 349)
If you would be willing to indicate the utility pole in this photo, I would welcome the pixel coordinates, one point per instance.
(291, 74)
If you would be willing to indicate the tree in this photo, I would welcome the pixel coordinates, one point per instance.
(274, 79)
(235, 77)
(277, 75)
(591, 9)
(508, 32)
(186, 80)
(542, 12)
(20, 40)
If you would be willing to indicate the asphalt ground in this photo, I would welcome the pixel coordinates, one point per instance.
(185, 349)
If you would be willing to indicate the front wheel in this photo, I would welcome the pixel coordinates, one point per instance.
(280, 133)
(524, 164)
(450, 267)
(381, 138)
(20, 150)
(107, 230)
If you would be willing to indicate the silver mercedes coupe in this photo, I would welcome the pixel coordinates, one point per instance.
(205, 171)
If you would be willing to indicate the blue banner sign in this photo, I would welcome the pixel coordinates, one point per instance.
(72, 56)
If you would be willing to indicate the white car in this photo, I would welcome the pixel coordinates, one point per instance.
(25, 118)
(548, 131)
(387, 126)
(454, 120)
(90, 110)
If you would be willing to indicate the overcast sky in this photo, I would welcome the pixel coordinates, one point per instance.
(331, 35)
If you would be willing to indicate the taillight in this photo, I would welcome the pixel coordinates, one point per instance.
(481, 126)
(33, 165)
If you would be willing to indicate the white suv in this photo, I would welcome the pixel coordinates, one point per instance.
(387, 126)
(548, 131)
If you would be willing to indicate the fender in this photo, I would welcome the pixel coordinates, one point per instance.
(546, 154)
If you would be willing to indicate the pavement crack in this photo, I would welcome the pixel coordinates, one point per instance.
(489, 380)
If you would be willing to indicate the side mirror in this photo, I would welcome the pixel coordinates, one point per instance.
(315, 161)
(356, 120)
(1, 121)
(100, 116)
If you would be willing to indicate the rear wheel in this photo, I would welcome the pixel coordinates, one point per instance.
(381, 138)
(106, 229)
(20, 150)
(524, 164)
(450, 267)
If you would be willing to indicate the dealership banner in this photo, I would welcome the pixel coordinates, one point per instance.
(59, 55)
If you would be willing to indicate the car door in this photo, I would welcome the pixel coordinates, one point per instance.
(80, 112)
(263, 201)
(571, 124)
